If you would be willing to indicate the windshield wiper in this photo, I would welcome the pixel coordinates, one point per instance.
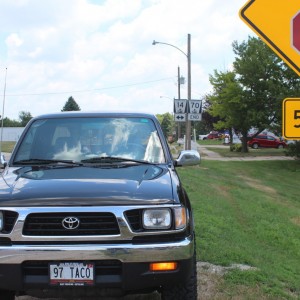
(40, 161)
(113, 160)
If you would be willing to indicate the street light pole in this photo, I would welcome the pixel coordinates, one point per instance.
(188, 56)
(188, 123)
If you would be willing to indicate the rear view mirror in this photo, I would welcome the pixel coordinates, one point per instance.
(188, 158)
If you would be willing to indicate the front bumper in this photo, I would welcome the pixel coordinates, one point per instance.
(124, 252)
(133, 262)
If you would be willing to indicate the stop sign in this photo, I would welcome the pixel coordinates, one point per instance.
(296, 32)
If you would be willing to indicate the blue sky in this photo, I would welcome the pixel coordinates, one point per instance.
(101, 52)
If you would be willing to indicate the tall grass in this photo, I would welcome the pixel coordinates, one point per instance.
(249, 213)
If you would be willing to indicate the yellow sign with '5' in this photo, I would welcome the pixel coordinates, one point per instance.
(291, 118)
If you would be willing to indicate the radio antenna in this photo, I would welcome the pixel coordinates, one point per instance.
(2, 117)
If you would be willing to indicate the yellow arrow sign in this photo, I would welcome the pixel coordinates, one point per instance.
(277, 23)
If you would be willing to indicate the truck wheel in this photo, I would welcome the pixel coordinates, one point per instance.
(186, 291)
(7, 295)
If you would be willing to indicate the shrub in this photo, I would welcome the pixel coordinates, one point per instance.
(293, 150)
(236, 148)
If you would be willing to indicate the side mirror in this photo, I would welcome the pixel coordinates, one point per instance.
(188, 158)
(3, 162)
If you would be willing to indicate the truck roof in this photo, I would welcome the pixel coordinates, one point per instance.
(72, 114)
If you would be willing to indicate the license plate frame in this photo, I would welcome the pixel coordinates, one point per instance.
(71, 273)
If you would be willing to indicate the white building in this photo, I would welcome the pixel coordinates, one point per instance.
(11, 134)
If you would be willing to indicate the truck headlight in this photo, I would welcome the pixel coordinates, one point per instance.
(159, 218)
(1, 220)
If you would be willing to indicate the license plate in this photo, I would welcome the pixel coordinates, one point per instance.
(71, 273)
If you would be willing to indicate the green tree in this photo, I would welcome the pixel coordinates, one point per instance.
(226, 103)
(251, 95)
(24, 118)
(10, 123)
(208, 120)
(167, 123)
(71, 105)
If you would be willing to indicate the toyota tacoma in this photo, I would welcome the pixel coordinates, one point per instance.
(91, 205)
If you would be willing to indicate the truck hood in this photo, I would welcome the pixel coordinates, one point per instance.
(85, 186)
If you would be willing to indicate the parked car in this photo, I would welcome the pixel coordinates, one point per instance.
(210, 136)
(91, 205)
(267, 141)
(203, 136)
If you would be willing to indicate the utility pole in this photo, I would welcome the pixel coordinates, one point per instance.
(188, 123)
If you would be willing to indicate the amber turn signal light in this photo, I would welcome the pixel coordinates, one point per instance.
(163, 266)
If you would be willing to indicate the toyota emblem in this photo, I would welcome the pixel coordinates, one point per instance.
(70, 223)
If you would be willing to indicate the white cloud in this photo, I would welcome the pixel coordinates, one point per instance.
(13, 40)
(101, 53)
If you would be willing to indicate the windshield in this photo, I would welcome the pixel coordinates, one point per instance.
(78, 139)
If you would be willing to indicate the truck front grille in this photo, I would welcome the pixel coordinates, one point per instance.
(70, 223)
(134, 218)
(9, 220)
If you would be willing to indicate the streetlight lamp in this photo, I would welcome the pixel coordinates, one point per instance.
(188, 56)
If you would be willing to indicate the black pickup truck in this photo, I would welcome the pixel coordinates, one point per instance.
(91, 205)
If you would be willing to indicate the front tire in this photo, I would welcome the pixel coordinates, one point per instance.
(184, 291)
(255, 146)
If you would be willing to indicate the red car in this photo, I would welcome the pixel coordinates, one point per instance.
(267, 141)
(212, 136)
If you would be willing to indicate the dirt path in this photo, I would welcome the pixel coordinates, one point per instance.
(207, 154)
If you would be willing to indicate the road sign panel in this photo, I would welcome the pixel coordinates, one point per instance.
(180, 117)
(179, 106)
(195, 106)
(296, 31)
(291, 118)
(278, 25)
(195, 117)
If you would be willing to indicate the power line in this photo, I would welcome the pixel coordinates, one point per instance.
(90, 90)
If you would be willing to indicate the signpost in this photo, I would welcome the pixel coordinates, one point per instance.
(179, 110)
(195, 107)
(180, 106)
(180, 117)
(277, 23)
(184, 109)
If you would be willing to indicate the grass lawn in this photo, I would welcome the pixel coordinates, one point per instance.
(225, 151)
(249, 213)
(211, 142)
(7, 146)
